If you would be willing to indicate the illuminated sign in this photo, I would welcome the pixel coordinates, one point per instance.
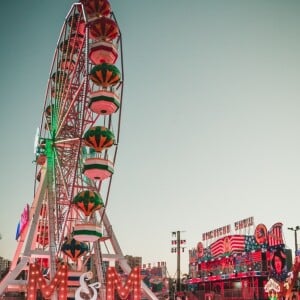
(114, 282)
(216, 233)
(200, 250)
(225, 230)
(86, 288)
(36, 278)
(244, 223)
(260, 234)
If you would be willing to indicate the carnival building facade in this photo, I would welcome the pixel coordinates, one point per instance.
(242, 265)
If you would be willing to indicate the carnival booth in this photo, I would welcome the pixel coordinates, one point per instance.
(238, 262)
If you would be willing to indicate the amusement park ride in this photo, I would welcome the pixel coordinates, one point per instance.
(66, 234)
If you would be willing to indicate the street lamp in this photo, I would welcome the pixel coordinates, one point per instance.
(295, 233)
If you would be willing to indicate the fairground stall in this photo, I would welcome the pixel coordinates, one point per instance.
(243, 261)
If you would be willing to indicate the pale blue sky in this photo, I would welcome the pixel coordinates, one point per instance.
(210, 120)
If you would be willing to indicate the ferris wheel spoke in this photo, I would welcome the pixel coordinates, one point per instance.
(61, 179)
(67, 117)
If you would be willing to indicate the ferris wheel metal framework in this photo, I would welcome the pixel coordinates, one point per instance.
(76, 150)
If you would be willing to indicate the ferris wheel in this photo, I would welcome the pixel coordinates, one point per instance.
(76, 147)
(78, 136)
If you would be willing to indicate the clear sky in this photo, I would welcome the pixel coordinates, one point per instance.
(210, 130)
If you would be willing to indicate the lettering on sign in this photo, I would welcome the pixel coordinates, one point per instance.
(221, 231)
(244, 223)
(225, 230)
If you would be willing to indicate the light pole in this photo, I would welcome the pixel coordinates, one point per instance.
(178, 242)
(295, 233)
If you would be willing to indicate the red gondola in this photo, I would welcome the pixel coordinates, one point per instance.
(96, 8)
(103, 52)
